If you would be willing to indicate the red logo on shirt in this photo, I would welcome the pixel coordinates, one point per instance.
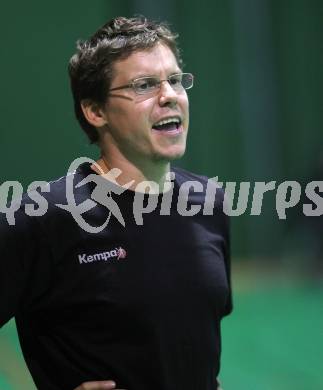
(121, 253)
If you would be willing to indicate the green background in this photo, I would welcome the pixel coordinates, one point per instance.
(256, 115)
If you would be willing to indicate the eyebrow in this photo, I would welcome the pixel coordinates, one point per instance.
(154, 75)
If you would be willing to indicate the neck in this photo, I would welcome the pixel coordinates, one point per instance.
(155, 172)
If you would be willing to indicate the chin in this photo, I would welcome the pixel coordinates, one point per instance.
(171, 155)
(177, 155)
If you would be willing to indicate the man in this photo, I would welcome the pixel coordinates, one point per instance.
(137, 305)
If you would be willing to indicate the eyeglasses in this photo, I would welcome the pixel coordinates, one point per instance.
(145, 85)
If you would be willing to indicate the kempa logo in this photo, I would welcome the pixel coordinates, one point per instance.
(118, 253)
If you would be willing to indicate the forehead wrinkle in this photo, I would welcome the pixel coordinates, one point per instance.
(152, 62)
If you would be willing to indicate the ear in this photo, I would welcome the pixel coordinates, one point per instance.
(93, 113)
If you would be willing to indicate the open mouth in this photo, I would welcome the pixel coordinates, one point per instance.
(169, 125)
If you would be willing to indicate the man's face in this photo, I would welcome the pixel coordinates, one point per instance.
(131, 118)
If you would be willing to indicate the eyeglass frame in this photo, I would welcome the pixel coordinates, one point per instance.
(131, 84)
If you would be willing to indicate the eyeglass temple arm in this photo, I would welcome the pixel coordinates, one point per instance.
(121, 87)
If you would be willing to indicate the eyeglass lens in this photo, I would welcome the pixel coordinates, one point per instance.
(149, 84)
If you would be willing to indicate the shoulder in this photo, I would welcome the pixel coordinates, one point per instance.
(183, 175)
(58, 190)
(209, 189)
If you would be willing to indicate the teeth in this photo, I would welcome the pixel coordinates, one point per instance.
(168, 120)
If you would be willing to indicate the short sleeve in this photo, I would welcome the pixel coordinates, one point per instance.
(227, 259)
(24, 265)
(225, 232)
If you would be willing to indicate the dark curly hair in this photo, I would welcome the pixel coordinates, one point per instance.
(91, 68)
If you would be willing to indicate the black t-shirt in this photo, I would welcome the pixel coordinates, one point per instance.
(137, 304)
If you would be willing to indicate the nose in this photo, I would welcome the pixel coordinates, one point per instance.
(167, 95)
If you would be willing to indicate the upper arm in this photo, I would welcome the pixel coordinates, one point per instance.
(22, 268)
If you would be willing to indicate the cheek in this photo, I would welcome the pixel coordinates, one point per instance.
(185, 111)
(142, 115)
(122, 117)
(183, 102)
